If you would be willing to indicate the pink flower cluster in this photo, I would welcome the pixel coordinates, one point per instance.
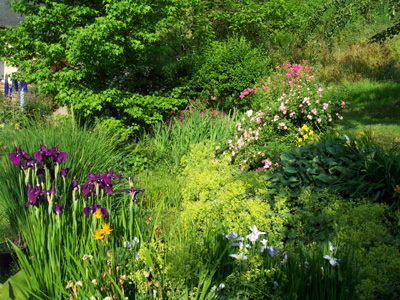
(292, 99)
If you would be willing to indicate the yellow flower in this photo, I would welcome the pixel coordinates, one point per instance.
(106, 228)
(305, 136)
(361, 133)
(311, 132)
(305, 127)
(98, 213)
(336, 134)
(397, 189)
(98, 234)
(299, 140)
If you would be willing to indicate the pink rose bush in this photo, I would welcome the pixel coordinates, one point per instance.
(290, 101)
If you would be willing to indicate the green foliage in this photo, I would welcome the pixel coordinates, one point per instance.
(217, 191)
(225, 69)
(355, 168)
(167, 142)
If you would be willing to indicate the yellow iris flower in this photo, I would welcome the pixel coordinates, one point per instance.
(98, 213)
(106, 228)
(98, 234)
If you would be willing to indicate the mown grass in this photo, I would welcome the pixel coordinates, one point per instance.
(372, 106)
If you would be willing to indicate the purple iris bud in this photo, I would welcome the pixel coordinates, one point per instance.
(64, 172)
(58, 208)
(24, 167)
(75, 184)
(16, 157)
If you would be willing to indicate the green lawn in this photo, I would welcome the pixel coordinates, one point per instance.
(372, 106)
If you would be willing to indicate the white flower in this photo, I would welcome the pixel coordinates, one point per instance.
(333, 261)
(332, 248)
(220, 287)
(253, 236)
(249, 113)
(240, 256)
(132, 244)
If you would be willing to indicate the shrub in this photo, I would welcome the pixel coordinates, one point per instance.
(293, 108)
(214, 190)
(227, 68)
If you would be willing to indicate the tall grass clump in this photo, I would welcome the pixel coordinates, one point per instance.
(171, 140)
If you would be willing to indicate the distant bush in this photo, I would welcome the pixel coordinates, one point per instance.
(225, 69)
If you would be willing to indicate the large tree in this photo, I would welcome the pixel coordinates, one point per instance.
(95, 53)
(125, 56)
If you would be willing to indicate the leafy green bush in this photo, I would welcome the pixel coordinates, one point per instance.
(225, 69)
(215, 190)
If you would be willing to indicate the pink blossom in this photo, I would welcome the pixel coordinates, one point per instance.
(314, 111)
(319, 120)
(309, 117)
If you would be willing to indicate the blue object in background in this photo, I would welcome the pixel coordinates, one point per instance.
(6, 88)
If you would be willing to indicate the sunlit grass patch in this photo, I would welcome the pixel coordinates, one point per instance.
(372, 106)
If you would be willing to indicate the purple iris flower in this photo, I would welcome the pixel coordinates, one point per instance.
(132, 190)
(106, 183)
(16, 157)
(94, 207)
(33, 194)
(40, 172)
(56, 155)
(58, 208)
(92, 177)
(64, 172)
(86, 187)
(42, 153)
(111, 174)
(271, 250)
